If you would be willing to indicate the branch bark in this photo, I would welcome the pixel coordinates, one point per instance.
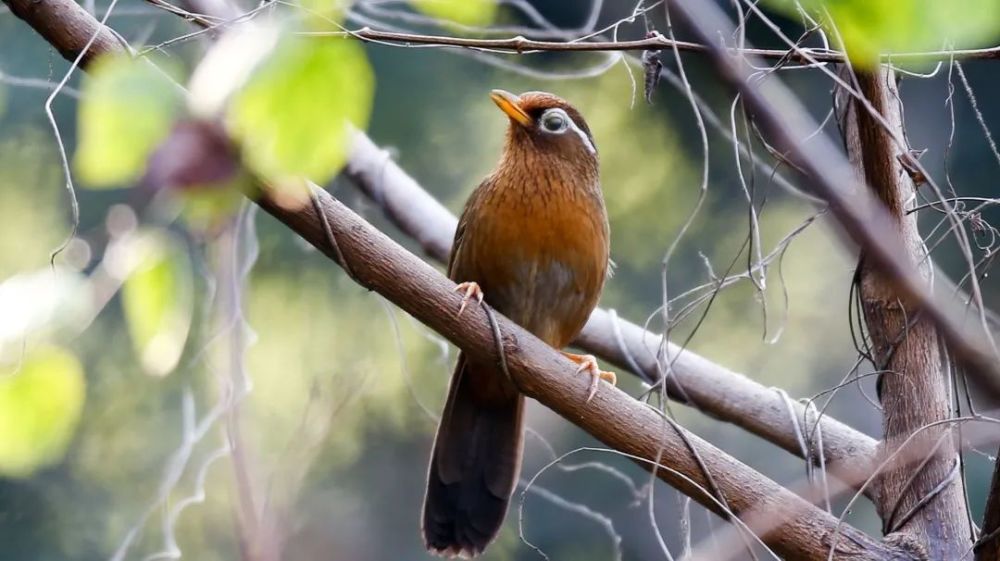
(68, 28)
(925, 501)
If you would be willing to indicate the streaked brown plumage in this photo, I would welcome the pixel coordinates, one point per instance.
(534, 238)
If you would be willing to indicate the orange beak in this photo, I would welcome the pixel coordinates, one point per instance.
(511, 105)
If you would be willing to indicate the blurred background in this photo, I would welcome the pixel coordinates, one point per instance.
(337, 391)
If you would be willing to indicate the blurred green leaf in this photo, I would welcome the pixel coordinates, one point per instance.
(466, 12)
(208, 210)
(157, 296)
(127, 109)
(40, 403)
(292, 117)
(873, 27)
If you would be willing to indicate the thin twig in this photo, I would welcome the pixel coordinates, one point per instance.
(523, 45)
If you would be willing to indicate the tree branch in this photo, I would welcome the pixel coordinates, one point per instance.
(67, 27)
(522, 45)
(925, 501)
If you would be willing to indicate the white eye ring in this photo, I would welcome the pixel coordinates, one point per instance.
(555, 121)
(560, 123)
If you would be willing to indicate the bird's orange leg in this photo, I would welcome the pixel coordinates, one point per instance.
(589, 364)
(471, 290)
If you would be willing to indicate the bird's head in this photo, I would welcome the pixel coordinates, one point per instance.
(544, 126)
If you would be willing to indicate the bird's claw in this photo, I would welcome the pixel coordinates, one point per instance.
(471, 290)
(587, 363)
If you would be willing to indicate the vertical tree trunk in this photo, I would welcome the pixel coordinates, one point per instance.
(920, 494)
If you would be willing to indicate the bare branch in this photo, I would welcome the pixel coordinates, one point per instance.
(522, 45)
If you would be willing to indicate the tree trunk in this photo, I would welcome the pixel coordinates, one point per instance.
(920, 495)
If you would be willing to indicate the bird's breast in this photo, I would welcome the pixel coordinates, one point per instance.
(540, 258)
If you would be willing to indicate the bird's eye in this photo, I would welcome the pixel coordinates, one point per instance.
(554, 123)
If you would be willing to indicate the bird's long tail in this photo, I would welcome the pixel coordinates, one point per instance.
(475, 462)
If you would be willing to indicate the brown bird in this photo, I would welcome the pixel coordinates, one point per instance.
(532, 241)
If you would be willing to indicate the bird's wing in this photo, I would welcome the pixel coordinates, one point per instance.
(463, 224)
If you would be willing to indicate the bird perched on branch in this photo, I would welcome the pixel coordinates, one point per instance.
(533, 241)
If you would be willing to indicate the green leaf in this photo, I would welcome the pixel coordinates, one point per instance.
(127, 109)
(291, 119)
(466, 12)
(873, 27)
(40, 403)
(157, 297)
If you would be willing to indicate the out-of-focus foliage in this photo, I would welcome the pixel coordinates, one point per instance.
(40, 304)
(207, 210)
(29, 184)
(157, 298)
(41, 396)
(467, 12)
(127, 109)
(197, 156)
(869, 28)
(314, 395)
(292, 118)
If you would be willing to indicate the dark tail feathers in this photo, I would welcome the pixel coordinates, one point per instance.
(475, 463)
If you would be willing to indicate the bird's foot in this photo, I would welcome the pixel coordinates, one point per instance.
(471, 290)
(587, 363)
